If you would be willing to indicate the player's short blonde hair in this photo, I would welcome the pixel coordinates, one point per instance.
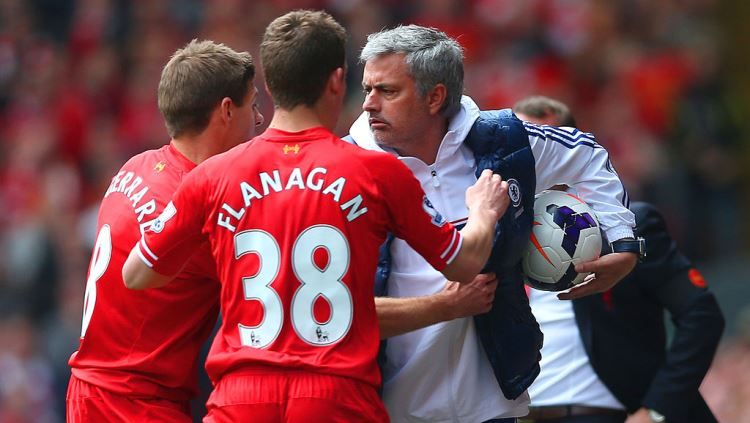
(196, 79)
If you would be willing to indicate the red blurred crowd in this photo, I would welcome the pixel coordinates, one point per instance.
(78, 97)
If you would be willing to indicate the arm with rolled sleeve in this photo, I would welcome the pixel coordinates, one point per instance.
(574, 158)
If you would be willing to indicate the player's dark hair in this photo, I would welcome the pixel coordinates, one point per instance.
(196, 79)
(542, 107)
(299, 51)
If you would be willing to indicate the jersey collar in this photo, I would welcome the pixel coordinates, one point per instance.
(177, 159)
(279, 135)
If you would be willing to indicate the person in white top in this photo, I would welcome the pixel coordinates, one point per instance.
(414, 109)
(604, 358)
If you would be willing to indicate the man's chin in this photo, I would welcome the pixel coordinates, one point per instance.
(377, 134)
(380, 139)
(383, 137)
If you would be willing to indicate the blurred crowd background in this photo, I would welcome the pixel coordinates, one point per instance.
(662, 83)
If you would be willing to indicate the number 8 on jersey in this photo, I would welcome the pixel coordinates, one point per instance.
(316, 283)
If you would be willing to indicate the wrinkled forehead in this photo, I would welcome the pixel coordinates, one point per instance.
(386, 67)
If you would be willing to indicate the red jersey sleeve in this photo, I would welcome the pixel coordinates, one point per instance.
(176, 234)
(414, 219)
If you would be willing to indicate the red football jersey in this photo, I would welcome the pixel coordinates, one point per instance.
(295, 221)
(143, 343)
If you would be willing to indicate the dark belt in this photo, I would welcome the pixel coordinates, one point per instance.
(562, 411)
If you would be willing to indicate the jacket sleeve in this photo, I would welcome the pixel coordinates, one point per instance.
(574, 158)
(668, 276)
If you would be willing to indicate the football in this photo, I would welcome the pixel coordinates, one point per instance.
(565, 232)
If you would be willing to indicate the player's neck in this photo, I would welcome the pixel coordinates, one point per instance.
(300, 118)
(194, 149)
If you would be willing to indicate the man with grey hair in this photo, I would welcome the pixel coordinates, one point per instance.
(470, 370)
(278, 357)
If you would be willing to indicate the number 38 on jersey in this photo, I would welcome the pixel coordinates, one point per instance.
(315, 283)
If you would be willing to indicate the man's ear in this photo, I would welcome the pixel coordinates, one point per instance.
(225, 109)
(337, 81)
(436, 98)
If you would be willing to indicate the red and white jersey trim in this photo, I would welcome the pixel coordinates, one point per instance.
(140, 248)
(453, 248)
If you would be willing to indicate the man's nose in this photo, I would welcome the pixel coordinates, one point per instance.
(370, 104)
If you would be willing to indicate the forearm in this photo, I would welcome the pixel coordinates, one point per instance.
(479, 234)
(400, 315)
(476, 246)
(137, 275)
(487, 201)
(696, 338)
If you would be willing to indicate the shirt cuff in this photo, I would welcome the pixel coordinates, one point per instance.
(619, 232)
